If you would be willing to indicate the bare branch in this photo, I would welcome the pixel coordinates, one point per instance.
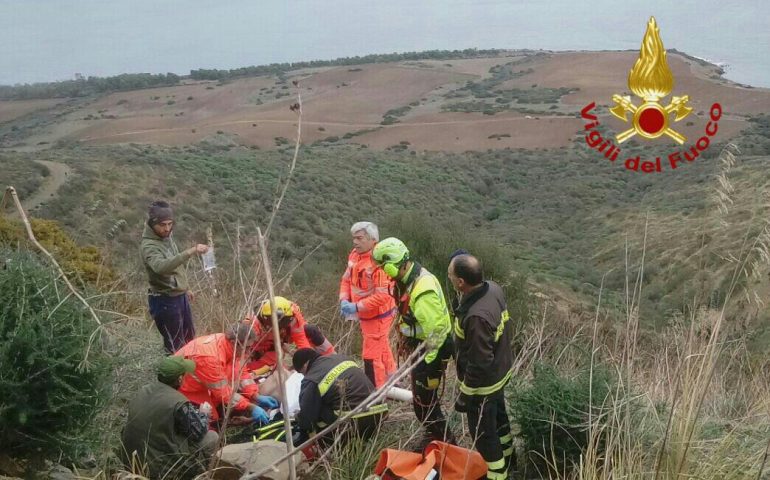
(277, 344)
(12, 192)
(297, 107)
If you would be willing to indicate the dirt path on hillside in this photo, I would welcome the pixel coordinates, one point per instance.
(305, 122)
(51, 184)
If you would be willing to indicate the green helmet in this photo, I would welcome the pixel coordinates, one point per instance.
(390, 254)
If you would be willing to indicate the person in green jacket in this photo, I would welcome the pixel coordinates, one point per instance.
(168, 293)
(423, 317)
(165, 435)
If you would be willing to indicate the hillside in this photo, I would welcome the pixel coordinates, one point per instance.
(518, 100)
(486, 153)
(218, 152)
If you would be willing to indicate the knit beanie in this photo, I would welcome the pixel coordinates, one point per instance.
(302, 357)
(158, 212)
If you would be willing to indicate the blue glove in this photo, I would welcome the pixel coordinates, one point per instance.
(266, 401)
(259, 416)
(348, 308)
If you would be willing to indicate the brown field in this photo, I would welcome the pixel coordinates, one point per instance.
(599, 75)
(458, 132)
(473, 66)
(13, 109)
(346, 99)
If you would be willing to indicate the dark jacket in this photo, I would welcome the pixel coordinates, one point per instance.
(158, 434)
(163, 264)
(483, 336)
(332, 384)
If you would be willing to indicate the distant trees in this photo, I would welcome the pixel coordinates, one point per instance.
(82, 86)
(279, 68)
(87, 86)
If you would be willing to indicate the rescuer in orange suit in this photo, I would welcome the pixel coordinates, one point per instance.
(293, 330)
(365, 296)
(217, 358)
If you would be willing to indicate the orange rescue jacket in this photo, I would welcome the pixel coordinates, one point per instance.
(211, 382)
(366, 285)
(296, 334)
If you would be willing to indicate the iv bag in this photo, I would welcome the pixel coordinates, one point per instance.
(209, 261)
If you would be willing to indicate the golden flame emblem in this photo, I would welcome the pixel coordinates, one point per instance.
(651, 79)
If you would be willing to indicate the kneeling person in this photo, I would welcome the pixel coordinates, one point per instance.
(332, 382)
(165, 432)
(220, 360)
(291, 326)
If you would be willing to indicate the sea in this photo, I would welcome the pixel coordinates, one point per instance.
(48, 40)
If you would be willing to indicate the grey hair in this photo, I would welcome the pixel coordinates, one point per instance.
(241, 333)
(368, 227)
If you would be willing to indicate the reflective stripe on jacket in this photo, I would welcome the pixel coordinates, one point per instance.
(213, 356)
(483, 337)
(428, 307)
(325, 348)
(331, 384)
(332, 375)
(366, 285)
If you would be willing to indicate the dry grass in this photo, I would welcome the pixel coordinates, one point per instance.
(692, 401)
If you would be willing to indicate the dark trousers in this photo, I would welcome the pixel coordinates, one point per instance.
(491, 432)
(363, 428)
(426, 389)
(173, 318)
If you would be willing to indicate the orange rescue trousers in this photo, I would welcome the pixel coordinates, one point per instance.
(379, 362)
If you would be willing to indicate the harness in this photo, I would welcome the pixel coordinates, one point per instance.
(407, 340)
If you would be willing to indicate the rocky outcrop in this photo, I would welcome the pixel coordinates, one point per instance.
(240, 459)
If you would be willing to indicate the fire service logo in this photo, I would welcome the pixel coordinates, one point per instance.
(651, 80)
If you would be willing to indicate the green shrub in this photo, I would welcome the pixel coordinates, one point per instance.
(553, 412)
(82, 263)
(492, 214)
(45, 398)
(431, 241)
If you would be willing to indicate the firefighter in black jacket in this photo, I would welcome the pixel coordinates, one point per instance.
(333, 385)
(483, 337)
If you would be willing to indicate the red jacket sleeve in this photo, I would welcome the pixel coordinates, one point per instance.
(212, 373)
(381, 299)
(248, 386)
(298, 336)
(345, 281)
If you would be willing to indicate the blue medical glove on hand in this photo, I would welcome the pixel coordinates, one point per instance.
(259, 416)
(266, 401)
(348, 308)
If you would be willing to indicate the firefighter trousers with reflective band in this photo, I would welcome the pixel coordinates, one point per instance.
(490, 430)
(426, 388)
(364, 425)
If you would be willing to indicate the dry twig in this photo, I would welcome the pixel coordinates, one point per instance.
(278, 351)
